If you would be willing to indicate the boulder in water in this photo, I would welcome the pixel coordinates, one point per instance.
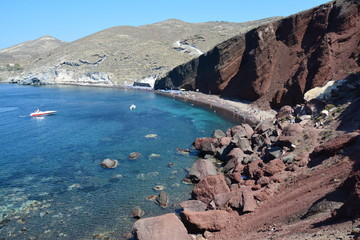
(109, 163)
(134, 155)
(162, 199)
(137, 212)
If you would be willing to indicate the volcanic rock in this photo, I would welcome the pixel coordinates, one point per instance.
(193, 205)
(218, 134)
(254, 169)
(214, 220)
(207, 188)
(162, 199)
(166, 226)
(206, 145)
(201, 169)
(134, 155)
(109, 163)
(306, 50)
(137, 212)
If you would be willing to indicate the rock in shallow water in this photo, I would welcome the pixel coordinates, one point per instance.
(109, 163)
(137, 212)
(134, 155)
(162, 199)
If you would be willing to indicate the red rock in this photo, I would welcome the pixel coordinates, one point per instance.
(166, 226)
(254, 169)
(250, 183)
(273, 167)
(249, 203)
(207, 188)
(235, 177)
(277, 62)
(201, 169)
(236, 201)
(236, 153)
(221, 199)
(207, 145)
(239, 168)
(214, 220)
(263, 181)
(225, 141)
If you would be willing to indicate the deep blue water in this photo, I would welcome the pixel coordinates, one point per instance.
(51, 183)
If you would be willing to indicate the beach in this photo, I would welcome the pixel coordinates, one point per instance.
(236, 110)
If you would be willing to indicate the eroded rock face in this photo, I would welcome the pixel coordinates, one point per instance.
(166, 226)
(278, 62)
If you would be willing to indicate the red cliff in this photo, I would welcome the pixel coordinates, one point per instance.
(276, 63)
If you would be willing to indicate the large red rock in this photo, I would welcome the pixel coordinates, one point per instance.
(166, 226)
(214, 220)
(207, 145)
(274, 166)
(249, 203)
(210, 186)
(254, 170)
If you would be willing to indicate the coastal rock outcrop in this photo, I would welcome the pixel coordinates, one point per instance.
(213, 220)
(166, 226)
(278, 62)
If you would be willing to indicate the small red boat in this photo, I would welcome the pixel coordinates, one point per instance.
(38, 113)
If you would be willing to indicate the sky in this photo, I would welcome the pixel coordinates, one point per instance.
(69, 20)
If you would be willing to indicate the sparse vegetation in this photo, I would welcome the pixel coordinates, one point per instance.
(329, 106)
(326, 134)
(11, 67)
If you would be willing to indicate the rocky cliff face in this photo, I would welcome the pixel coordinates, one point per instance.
(278, 62)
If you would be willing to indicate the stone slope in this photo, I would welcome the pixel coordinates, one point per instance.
(278, 62)
(124, 54)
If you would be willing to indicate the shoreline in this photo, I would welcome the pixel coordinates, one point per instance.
(234, 110)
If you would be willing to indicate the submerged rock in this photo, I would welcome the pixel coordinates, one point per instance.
(151, 136)
(109, 163)
(137, 212)
(134, 155)
(162, 199)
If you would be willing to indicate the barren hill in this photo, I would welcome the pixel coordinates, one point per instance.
(124, 54)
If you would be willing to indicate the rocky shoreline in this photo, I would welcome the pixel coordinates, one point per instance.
(242, 172)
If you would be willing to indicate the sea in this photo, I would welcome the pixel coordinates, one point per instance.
(51, 183)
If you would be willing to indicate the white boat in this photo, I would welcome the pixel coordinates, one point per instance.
(38, 113)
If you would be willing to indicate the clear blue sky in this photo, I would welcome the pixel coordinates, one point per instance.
(68, 20)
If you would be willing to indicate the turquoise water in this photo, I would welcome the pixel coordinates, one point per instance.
(51, 183)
